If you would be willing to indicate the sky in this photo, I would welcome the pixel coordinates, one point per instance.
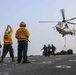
(12, 12)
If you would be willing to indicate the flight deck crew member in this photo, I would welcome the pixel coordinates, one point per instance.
(45, 50)
(7, 39)
(22, 35)
(49, 50)
(53, 49)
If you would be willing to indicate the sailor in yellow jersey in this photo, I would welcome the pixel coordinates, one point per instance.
(22, 35)
(7, 39)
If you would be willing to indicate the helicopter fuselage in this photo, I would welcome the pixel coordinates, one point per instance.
(63, 29)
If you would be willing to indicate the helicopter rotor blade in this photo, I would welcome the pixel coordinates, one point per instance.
(71, 19)
(54, 27)
(71, 23)
(48, 21)
(63, 15)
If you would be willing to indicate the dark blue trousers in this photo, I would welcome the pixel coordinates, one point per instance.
(7, 48)
(22, 50)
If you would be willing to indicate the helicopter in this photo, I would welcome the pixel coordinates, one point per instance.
(62, 26)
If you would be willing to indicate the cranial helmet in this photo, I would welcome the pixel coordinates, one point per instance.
(22, 24)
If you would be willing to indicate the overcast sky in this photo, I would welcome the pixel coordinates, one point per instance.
(12, 12)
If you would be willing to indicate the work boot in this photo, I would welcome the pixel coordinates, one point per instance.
(26, 61)
(1, 60)
(18, 62)
(13, 60)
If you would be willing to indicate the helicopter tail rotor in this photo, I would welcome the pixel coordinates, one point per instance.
(54, 27)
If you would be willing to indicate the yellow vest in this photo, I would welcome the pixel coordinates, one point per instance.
(22, 34)
(8, 38)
